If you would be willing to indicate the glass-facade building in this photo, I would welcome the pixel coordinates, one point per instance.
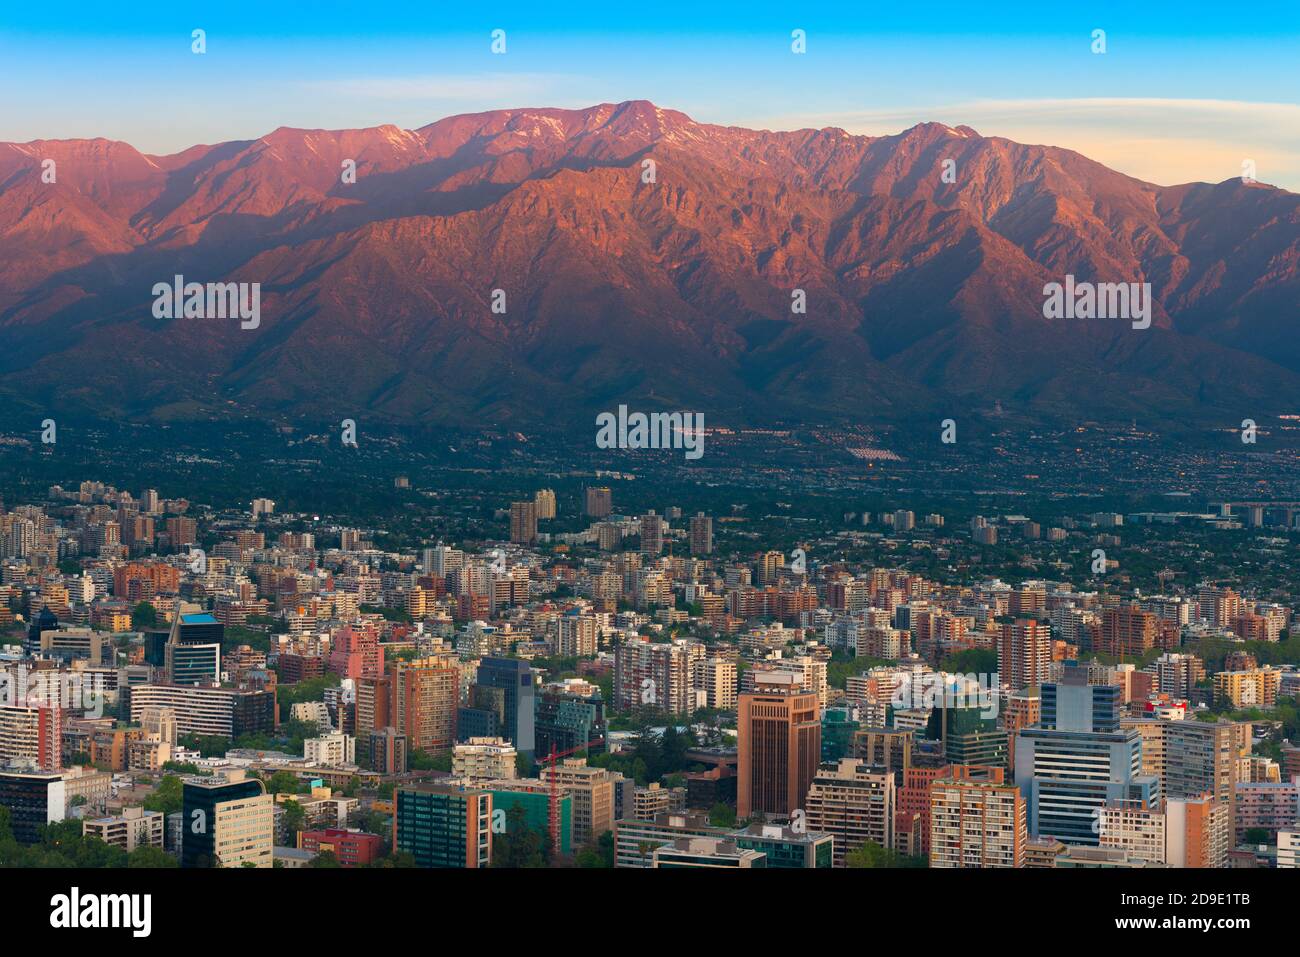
(1078, 760)
(518, 706)
(443, 827)
(569, 722)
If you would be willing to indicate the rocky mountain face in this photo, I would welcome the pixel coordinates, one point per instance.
(641, 258)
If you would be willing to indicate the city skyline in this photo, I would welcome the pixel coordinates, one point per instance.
(600, 439)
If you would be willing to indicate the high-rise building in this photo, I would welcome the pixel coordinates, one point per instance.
(426, 692)
(652, 533)
(386, 752)
(701, 535)
(182, 531)
(712, 853)
(222, 712)
(577, 635)
(516, 702)
(1024, 653)
(32, 733)
(716, 677)
(1218, 606)
(569, 721)
(1177, 674)
(599, 502)
(1191, 758)
(443, 827)
(227, 821)
(373, 711)
(977, 819)
(33, 800)
(523, 523)
(1130, 632)
(888, 748)
(854, 803)
(592, 790)
(787, 847)
(779, 746)
(1268, 806)
(635, 840)
(968, 737)
(192, 655)
(1193, 832)
(656, 676)
(1257, 687)
(1020, 710)
(1079, 760)
(545, 502)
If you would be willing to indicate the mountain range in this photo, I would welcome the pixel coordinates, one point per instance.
(645, 259)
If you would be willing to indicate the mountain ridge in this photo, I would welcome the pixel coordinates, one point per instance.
(923, 295)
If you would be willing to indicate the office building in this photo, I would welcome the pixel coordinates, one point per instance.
(533, 799)
(635, 840)
(713, 853)
(569, 721)
(192, 654)
(785, 847)
(1079, 760)
(33, 799)
(228, 821)
(443, 827)
(515, 704)
(779, 746)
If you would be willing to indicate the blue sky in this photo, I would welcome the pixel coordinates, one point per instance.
(1185, 91)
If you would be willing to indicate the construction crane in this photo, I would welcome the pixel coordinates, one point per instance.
(553, 810)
